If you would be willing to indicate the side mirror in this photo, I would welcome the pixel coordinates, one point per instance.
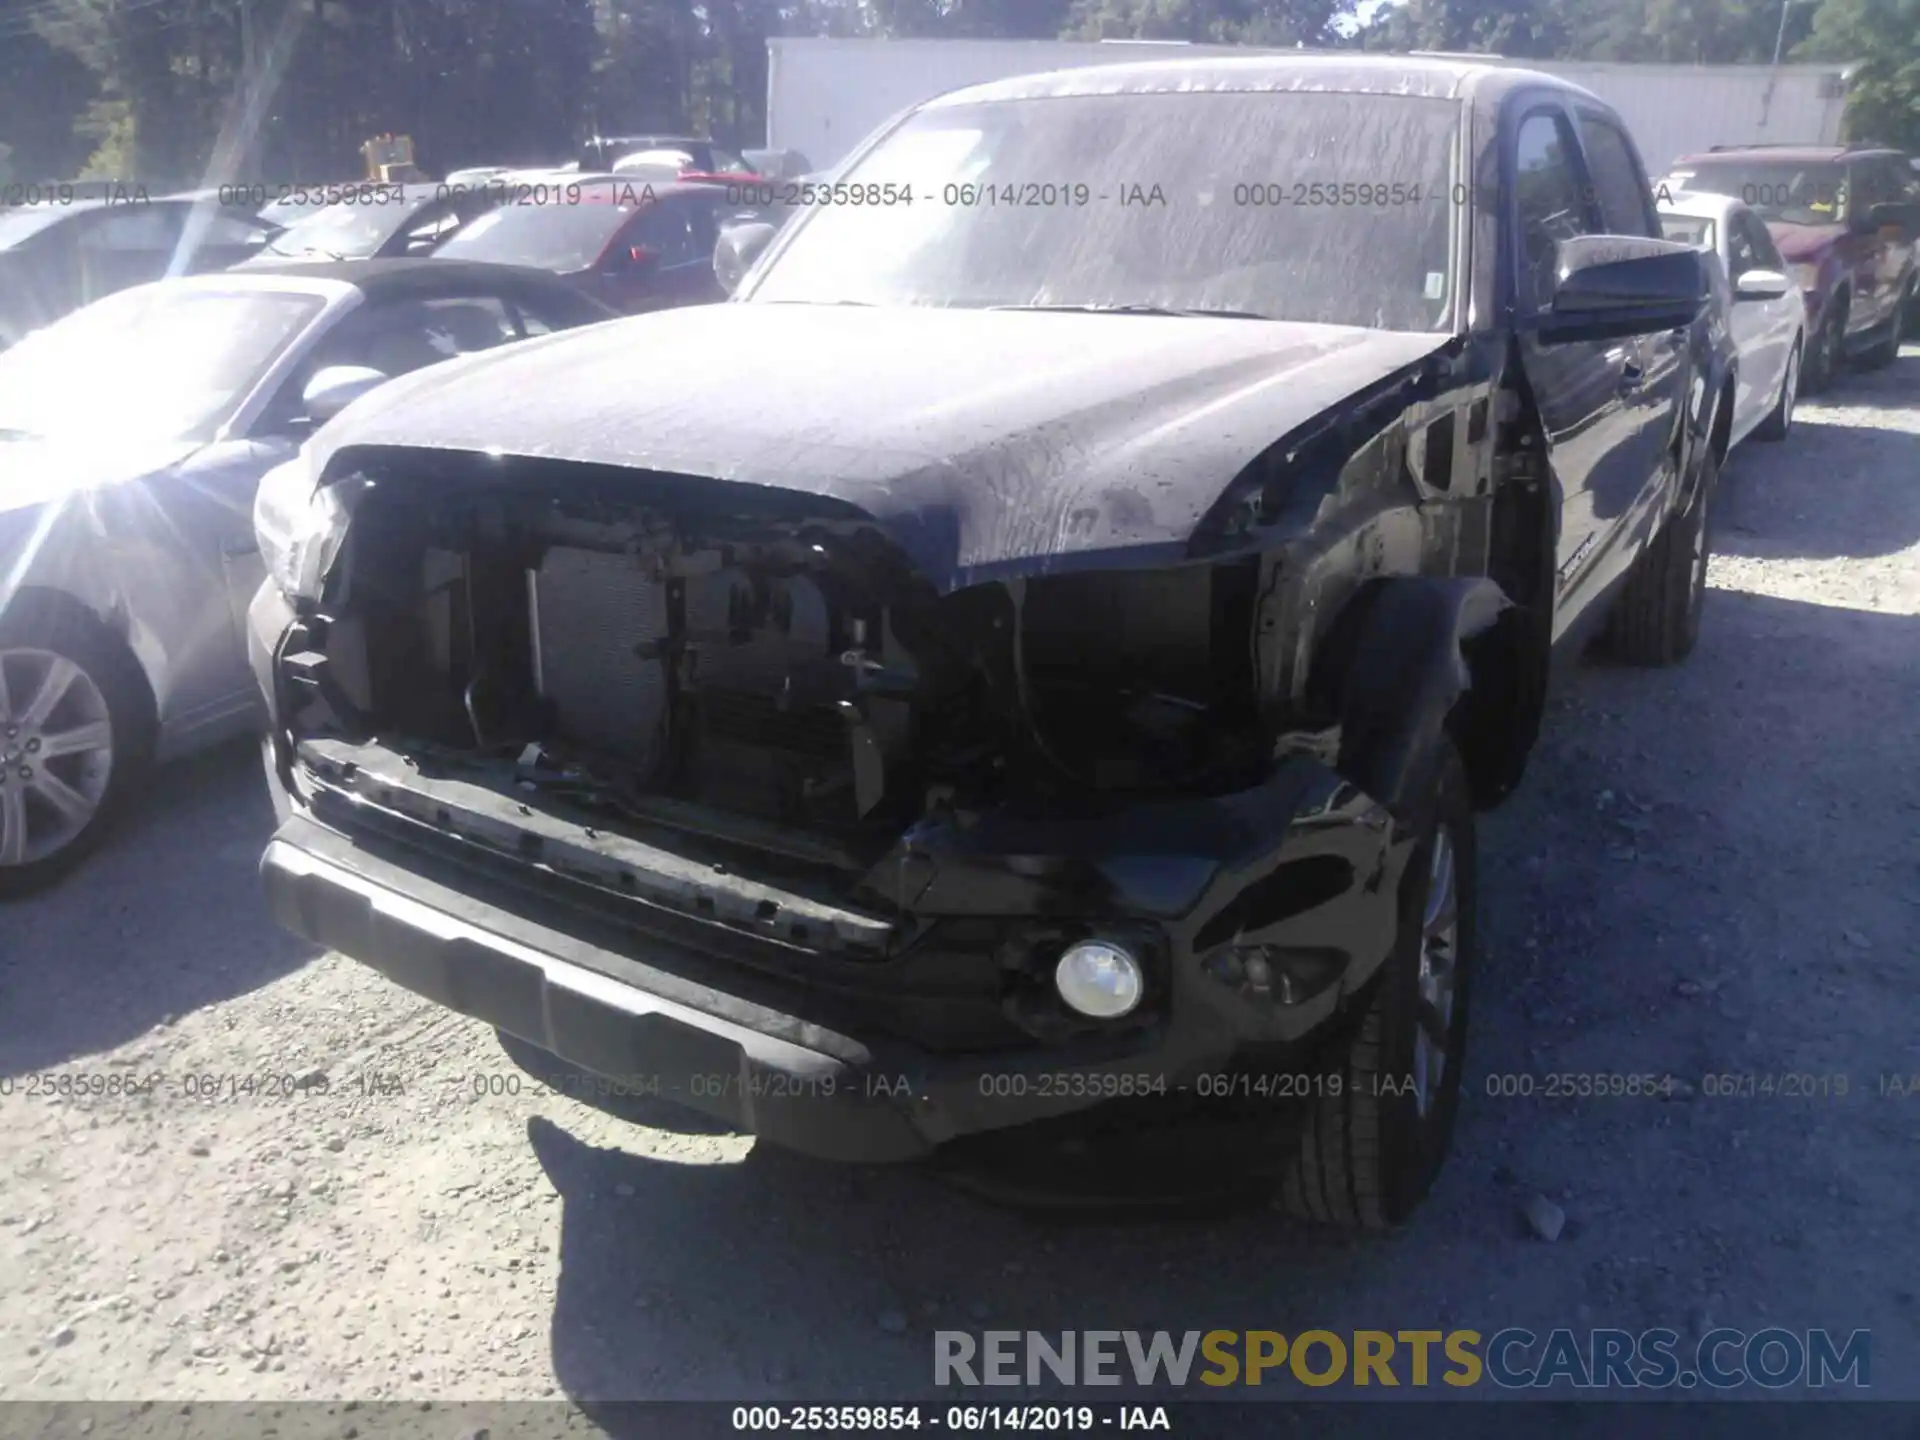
(739, 247)
(337, 386)
(1761, 285)
(1610, 286)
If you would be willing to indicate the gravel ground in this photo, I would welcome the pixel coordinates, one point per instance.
(1708, 871)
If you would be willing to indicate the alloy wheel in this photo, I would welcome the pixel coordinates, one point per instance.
(1439, 970)
(56, 753)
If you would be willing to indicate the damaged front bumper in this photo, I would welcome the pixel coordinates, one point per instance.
(828, 1024)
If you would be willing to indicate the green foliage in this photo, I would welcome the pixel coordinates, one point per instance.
(1216, 22)
(1884, 35)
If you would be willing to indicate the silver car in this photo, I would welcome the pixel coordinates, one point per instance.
(133, 434)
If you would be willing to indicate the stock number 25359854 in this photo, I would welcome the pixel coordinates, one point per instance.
(1073, 1083)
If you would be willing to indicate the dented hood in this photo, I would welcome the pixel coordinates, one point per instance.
(986, 443)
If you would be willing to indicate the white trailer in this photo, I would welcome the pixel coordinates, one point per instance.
(825, 95)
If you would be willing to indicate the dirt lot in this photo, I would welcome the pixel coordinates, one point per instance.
(1708, 871)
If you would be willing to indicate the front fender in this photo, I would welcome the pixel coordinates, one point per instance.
(1393, 667)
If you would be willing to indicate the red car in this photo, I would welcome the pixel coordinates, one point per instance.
(1846, 219)
(631, 244)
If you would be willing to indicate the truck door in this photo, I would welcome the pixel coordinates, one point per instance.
(1584, 390)
(1629, 505)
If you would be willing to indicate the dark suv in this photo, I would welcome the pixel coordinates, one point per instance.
(1041, 661)
(1847, 219)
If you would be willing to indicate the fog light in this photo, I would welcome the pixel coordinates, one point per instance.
(1099, 979)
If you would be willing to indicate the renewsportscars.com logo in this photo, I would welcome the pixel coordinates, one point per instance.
(1513, 1358)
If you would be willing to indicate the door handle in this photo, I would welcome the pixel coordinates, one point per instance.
(1631, 377)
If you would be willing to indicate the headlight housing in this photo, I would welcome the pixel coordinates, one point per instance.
(1807, 277)
(299, 526)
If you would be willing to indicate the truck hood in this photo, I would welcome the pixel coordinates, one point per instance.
(985, 443)
(1801, 244)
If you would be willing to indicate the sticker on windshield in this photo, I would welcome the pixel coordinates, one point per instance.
(1436, 285)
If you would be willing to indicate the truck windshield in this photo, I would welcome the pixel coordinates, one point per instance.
(1327, 207)
(1777, 191)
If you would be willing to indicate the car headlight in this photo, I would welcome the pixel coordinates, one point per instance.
(299, 526)
(1807, 277)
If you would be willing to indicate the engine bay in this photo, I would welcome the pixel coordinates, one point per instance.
(773, 658)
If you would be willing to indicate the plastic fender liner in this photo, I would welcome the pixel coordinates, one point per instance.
(1393, 667)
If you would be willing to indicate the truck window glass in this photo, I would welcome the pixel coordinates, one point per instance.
(1547, 198)
(1307, 206)
(1617, 182)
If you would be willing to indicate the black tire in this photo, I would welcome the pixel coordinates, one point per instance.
(1827, 356)
(1779, 422)
(1367, 1156)
(65, 630)
(1886, 349)
(1656, 619)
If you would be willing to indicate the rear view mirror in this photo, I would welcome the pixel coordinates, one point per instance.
(1610, 286)
(337, 386)
(739, 247)
(1761, 285)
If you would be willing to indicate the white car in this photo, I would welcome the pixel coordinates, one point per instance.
(134, 434)
(1765, 310)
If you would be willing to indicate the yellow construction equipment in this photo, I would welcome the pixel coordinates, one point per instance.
(390, 159)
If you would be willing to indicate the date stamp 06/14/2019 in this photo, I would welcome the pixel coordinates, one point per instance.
(202, 1087)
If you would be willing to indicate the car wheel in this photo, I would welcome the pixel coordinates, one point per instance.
(1828, 355)
(1656, 619)
(1779, 420)
(74, 734)
(1371, 1149)
(1887, 349)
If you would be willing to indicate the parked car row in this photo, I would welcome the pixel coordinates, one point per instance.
(1056, 641)
(57, 257)
(1842, 222)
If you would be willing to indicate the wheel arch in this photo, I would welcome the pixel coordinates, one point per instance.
(56, 606)
(1720, 437)
(1413, 659)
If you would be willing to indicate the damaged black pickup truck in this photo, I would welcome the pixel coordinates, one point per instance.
(1040, 646)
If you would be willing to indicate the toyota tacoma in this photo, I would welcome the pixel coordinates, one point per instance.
(1039, 648)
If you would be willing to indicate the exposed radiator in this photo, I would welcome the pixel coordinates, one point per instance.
(589, 612)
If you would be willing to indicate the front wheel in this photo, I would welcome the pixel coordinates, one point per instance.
(1827, 355)
(73, 735)
(1779, 422)
(1886, 350)
(1372, 1146)
(1656, 620)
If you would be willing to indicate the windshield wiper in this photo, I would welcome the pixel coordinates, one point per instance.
(1187, 311)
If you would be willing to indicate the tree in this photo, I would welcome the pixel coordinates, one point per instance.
(45, 93)
(1884, 35)
(1217, 22)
